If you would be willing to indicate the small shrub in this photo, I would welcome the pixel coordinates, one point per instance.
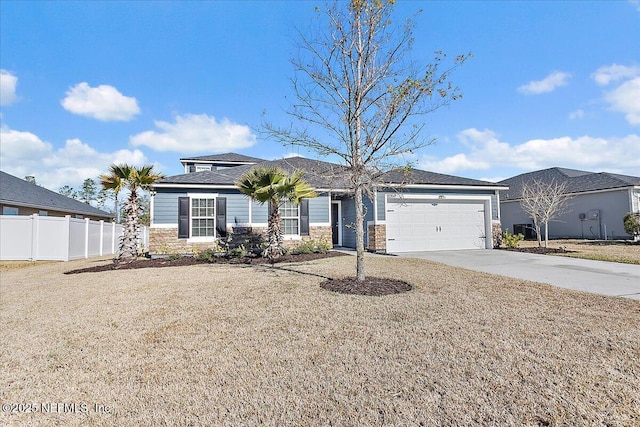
(304, 247)
(207, 255)
(174, 256)
(311, 246)
(512, 240)
(632, 224)
(238, 252)
(324, 246)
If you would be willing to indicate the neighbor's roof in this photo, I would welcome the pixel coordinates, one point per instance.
(225, 157)
(577, 181)
(18, 192)
(320, 174)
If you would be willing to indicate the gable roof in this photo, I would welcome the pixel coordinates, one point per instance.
(319, 174)
(18, 192)
(225, 157)
(577, 181)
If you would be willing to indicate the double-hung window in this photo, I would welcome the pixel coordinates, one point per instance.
(203, 217)
(290, 216)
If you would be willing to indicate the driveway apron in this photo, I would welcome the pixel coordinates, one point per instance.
(600, 277)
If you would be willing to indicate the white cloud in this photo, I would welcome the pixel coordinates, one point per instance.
(613, 73)
(590, 153)
(104, 103)
(576, 115)
(8, 83)
(290, 155)
(193, 133)
(24, 153)
(548, 84)
(626, 99)
(635, 3)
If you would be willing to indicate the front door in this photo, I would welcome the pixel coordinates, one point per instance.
(335, 223)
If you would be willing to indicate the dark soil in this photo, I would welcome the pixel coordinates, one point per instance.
(184, 261)
(537, 250)
(374, 286)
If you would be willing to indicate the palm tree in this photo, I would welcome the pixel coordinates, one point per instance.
(274, 186)
(113, 181)
(134, 179)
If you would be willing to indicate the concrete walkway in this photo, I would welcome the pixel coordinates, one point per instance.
(600, 277)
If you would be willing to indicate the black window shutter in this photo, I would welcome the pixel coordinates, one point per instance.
(304, 217)
(183, 217)
(221, 217)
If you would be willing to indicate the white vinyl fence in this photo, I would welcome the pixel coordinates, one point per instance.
(49, 238)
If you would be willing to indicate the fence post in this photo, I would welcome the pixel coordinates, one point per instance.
(113, 237)
(101, 235)
(86, 238)
(34, 237)
(67, 231)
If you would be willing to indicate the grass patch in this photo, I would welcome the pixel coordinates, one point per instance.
(603, 257)
(255, 345)
(15, 265)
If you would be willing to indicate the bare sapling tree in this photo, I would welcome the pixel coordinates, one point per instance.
(360, 98)
(544, 202)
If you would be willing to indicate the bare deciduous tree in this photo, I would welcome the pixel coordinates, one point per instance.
(358, 96)
(544, 202)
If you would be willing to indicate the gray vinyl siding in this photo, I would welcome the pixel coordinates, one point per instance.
(612, 207)
(237, 208)
(381, 198)
(259, 213)
(319, 209)
(165, 207)
(349, 216)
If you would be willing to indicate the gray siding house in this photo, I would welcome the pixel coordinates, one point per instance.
(19, 197)
(412, 210)
(597, 206)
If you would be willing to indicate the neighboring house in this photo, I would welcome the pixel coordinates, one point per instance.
(413, 211)
(20, 197)
(597, 206)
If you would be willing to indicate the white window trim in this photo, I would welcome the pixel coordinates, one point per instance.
(291, 236)
(201, 239)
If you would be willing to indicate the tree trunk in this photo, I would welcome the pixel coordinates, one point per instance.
(359, 234)
(546, 234)
(129, 239)
(274, 231)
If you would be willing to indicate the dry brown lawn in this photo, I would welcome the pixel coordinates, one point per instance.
(600, 250)
(225, 345)
(14, 265)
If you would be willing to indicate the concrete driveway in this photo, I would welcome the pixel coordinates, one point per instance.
(600, 277)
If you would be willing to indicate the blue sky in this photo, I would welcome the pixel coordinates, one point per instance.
(87, 84)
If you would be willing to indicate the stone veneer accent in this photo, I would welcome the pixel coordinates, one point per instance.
(377, 237)
(496, 233)
(165, 240)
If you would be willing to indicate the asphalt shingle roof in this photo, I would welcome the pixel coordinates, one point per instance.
(225, 157)
(320, 175)
(576, 181)
(18, 192)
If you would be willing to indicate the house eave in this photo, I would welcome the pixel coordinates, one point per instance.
(580, 193)
(53, 208)
(443, 186)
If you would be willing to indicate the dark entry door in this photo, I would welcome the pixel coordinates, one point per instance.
(335, 223)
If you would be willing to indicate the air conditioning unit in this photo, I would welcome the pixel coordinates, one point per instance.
(594, 214)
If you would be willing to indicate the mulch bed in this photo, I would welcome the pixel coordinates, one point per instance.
(374, 286)
(185, 261)
(537, 250)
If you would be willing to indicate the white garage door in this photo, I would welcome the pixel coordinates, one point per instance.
(429, 225)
